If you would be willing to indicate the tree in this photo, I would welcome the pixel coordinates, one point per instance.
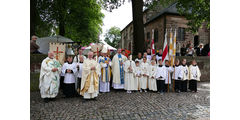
(113, 36)
(79, 20)
(200, 13)
(138, 31)
(196, 12)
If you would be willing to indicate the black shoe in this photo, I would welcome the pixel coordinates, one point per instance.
(46, 100)
(53, 99)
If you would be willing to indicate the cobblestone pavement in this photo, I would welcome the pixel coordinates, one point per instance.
(120, 105)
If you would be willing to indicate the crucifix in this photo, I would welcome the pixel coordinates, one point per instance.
(57, 52)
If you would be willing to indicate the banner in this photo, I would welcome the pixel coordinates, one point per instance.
(59, 51)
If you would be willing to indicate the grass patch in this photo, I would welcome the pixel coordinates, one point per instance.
(34, 81)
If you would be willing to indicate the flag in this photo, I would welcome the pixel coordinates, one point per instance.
(171, 47)
(152, 44)
(174, 47)
(165, 49)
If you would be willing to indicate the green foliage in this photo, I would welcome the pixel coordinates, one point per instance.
(34, 81)
(113, 36)
(196, 11)
(81, 20)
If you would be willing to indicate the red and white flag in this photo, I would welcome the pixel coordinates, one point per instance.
(165, 50)
(152, 44)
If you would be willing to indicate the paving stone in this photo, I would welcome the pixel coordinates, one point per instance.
(119, 105)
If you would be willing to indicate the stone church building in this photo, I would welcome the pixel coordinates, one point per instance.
(160, 20)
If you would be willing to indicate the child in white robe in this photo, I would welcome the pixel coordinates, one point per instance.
(79, 73)
(185, 76)
(169, 70)
(145, 73)
(69, 70)
(177, 76)
(129, 66)
(160, 76)
(194, 76)
(138, 75)
(152, 76)
(139, 58)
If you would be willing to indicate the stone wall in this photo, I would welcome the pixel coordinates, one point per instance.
(203, 63)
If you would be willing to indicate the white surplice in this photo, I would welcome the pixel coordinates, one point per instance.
(194, 73)
(49, 81)
(69, 77)
(177, 73)
(185, 72)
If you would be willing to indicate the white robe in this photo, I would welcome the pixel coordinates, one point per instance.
(149, 57)
(185, 72)
(116, 71)
(76, 58)
(169, 70)
(91, 92)
(144, 79)
(194, 73)
(69, 77)
(104, 84)
(49, 81)
(129, 75)
(161, 72)
(177, 73)
(152, 81)
(138, 77)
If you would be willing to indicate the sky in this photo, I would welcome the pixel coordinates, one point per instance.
(118, 17)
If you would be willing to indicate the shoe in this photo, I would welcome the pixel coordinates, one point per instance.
(140, 90)
(46, 100)
(130, 91)
(145, 90)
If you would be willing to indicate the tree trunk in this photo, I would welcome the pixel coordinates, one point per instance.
(61, 28)
(62, 8)
(33, 15)
(138, 27)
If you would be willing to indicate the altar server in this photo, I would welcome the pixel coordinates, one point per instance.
(194, 76)
(177, 76)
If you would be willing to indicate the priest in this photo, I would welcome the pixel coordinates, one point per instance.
(49, 77)
(118, 70)
(77, 57)
(90, 78)
(105, 63)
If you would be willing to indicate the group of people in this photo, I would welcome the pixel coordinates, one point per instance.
(87, 76)
(187, 49)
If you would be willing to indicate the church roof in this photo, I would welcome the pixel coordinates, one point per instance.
(169, 10)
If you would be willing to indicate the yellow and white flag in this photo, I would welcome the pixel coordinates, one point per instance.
(171, 47)
(174, 47)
